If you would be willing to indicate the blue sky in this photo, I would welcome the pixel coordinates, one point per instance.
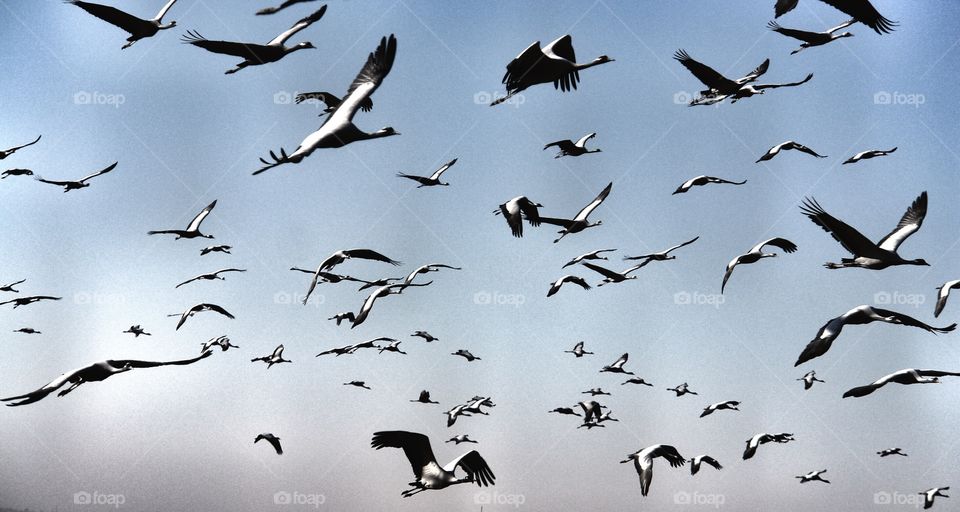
(185, 134)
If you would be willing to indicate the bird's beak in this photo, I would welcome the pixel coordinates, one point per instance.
(624, 461)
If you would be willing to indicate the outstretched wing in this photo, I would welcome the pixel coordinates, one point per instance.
(136, 363)
(242, 50)
(40, 394)
(782, 243)
(913, 322)
(791, 84)
(583, 140)
(111, 15)
(195, 223)
(378, 65)
(441, 170)
(415, 446)
(603, 271)
(864, 12)
(710, 77)
(368, 254)
(801, 35)
(755, 74)
(476, 468)
(298, 26)
(585, 212)
(909, 224)
(98, 173)
(851, 239)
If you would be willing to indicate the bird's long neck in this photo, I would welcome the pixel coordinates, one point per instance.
(165, 26)
(595, 62)
(383, 132)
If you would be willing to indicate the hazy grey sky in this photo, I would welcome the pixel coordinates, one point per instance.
(181, 438)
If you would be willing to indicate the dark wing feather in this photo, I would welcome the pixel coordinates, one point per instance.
(415, 446)
(710, 77)
(112, 15)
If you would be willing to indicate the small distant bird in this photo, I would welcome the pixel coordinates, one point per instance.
(613, 277)
(199, 308)
(220, 341)
(272, 439)
(23, 301)
(595, 392)
(702, 180)
(95, 372)
(275, 358)
(430, 475)
(555, 286)
(636, 380)
(462, 438)
(682, 389)
(905, 376)
(593, 255)
(76, 185)
(930, 494)
(809, 378)
(216, 248)
(426, 269)
(432, 180)
(720, 87)
(9, 287)
(643, 462)
(517, 209)
(813, 475)
(565, 410)
(357, 383)
(617, 366)
(860, 315)
(137, 28)
(579, 222)
(466, 355)
(730, 405)
(755, 254)
(569, 148)
(660, 256)
(273, 10)
(811, 39)
(591, 409)
(424, 398)
(706, 459)
(394, 346)
(136, 331)
(891, 451)
(193, 229)
(383, 291)
(425, 335)
(861, 10)
(28, 330)
(556, 62)
(350, 349)
(578, 350)
(942, 293)
(255, 54)
(15, 172)
(339, 317)
(866, 254)
(754, 442)
(787, 145)
(866, 155)
(455, 413)
(331, 101)
(7, 152)
(210, 276)
(343, 255)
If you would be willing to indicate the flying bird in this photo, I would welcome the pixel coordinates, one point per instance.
(136, 331)
(199, 308)
(595, 392)
(811, 39)
(425, 335)
(866, 254)
(555, 286)
(569, 148)
(702, 180)
(682, 389)
(275, 358)
(787, 145)
(556, 62)
(660, 256)
(138, 28)
(930, 494)
(331, 101)
(27, 330)
(383, 291)
(95, 372)
(7, 152)
(809, 378)
(9, 287)
(76, 185)
(566, 411)
(339, 257)
(643, 462)
(942, 293)
(24, 301)
(636, 380)
(339, 317)
(462, 438)
(906, 376)
(338, 129)
(705, 459)
(15, 172)
(861, 10)
(617, 366)
(220, 341)
(257, 54)
(891, 451)
(428, 473)
(860, 315)
(426, 269)
(424, 398)
(210, 276)
(613, 277)
(273, 10)
(433, 179)
(215, 248)
(813, 475)
(580, 222)
(393, 346)
(592, 255)
(754, 442)
(466, 355)
(578, 350)
(866, 155)
(730, 405)
(720, 87)
(755, 254)
(517, 209)
(193, 229)
(272, 439)
(357, 384)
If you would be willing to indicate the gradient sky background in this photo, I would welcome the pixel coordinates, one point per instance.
(180, 438)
